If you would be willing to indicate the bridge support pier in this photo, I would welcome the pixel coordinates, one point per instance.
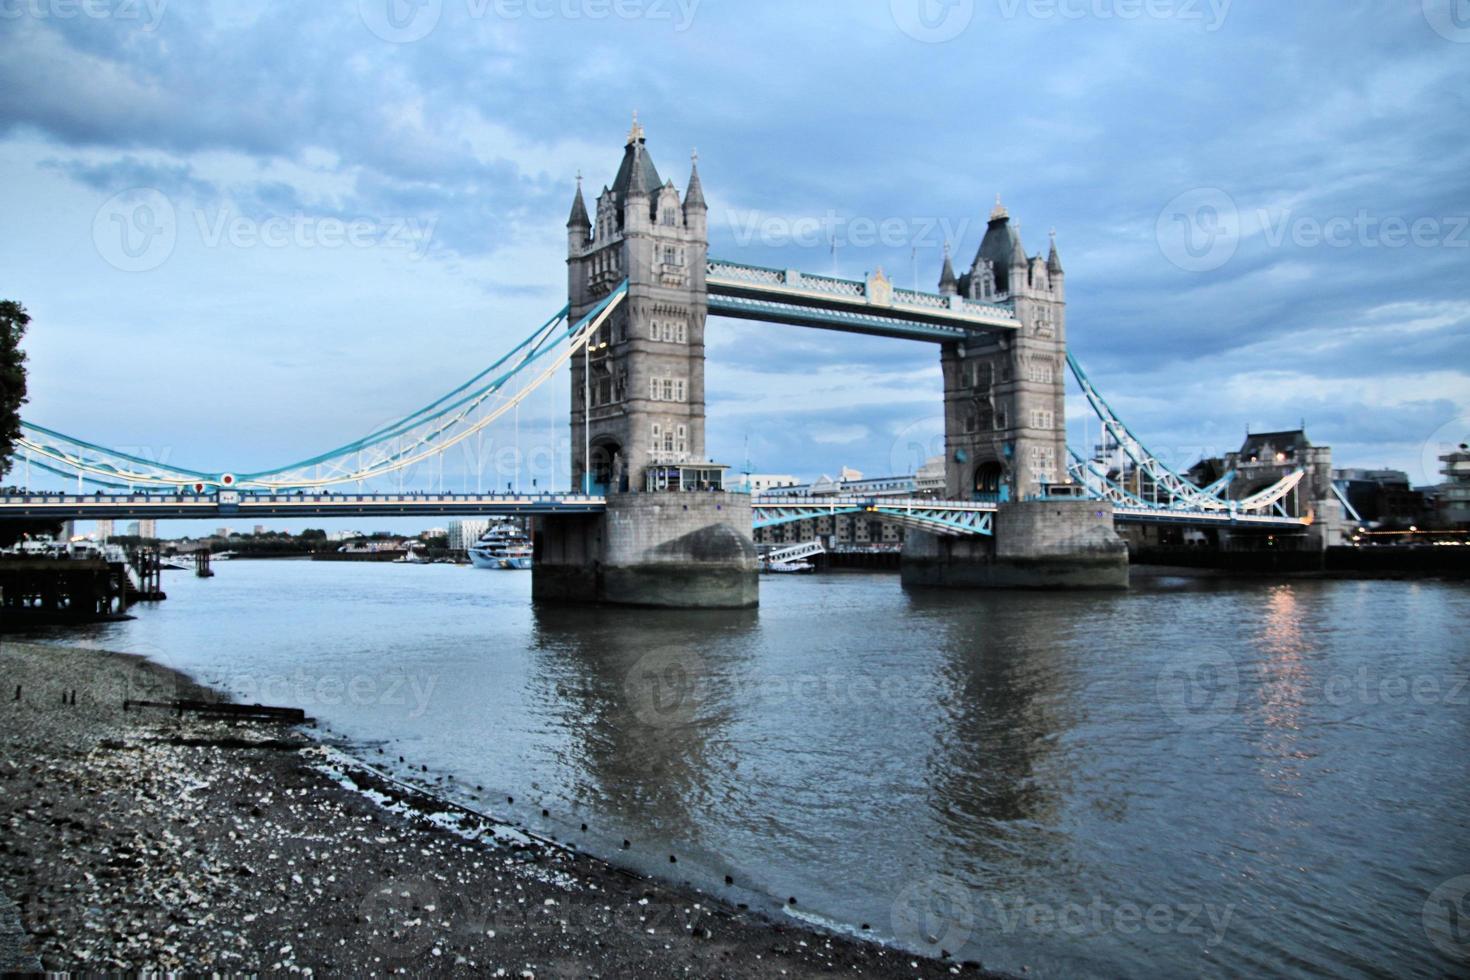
(661, 550)
(1057, 544)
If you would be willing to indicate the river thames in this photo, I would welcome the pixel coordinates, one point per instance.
(1201, 778)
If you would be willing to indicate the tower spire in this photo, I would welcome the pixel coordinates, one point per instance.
(999, 213)
(635, 135)
(579, 218)
(1054, 260)
(949, 283)
(694, 197)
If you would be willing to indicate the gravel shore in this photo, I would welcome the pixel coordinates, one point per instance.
(140, 840)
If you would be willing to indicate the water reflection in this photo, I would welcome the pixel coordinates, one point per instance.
(1286, 649)
(642, 698)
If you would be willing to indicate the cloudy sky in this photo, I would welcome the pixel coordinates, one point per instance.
(1262, 207)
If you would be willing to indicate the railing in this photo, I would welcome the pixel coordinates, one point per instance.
(720, 271)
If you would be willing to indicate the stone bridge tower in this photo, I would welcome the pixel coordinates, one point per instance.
(669, 537)
(1005, 396)
(1005, 436)
(646, 390)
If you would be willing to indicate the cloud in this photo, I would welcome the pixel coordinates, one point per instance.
(1091, 125)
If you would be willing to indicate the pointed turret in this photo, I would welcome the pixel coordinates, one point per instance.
(949, 284)
(1018, 251)
(1054, 260)
(579, 225)
(694, 197)
(579, 218)
(1002, 249)
(637, 176)
(643, 178)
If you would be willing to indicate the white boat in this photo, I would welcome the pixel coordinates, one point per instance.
(504, 546)
(788, 567)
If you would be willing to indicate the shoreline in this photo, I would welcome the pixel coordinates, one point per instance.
(144, 840)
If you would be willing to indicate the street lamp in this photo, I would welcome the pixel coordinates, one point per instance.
(587, 415)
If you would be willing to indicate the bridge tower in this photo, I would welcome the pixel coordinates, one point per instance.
(671, 536)
(646, 391)
(1005, 416)
(1005, 434)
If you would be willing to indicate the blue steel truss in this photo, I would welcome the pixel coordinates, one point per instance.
(937, 516)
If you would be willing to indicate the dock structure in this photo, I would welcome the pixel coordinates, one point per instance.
(36, 591)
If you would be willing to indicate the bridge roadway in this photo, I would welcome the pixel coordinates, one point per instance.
(875, 307)
(940, 516)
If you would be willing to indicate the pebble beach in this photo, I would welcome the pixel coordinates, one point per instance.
(142, 839)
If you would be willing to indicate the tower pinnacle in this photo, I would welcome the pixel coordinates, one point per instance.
(636, 134)
(694, 196)
(949, 283)
(1000, 211)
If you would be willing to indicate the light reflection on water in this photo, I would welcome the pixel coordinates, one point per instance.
(1021, 779)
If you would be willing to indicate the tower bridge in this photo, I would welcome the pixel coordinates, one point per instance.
(649, 520)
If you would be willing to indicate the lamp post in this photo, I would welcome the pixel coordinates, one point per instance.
(587, 415)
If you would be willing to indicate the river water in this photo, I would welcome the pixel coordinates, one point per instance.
(1187, 779)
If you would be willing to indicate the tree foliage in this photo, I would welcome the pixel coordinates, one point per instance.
(13, 322)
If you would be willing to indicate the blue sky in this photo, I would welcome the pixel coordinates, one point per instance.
(1314, 153)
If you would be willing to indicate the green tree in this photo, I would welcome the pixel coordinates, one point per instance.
(13, 322)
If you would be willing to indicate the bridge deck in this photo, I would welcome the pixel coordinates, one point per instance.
(183, 506)
(786, 296)
(961, 516)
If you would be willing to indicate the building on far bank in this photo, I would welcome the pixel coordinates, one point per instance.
(1381, 497)
(763, 482)
(854, 532)
(104, 530)
(463, 534)
(1452, 498)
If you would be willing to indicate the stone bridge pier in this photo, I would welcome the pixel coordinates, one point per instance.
(661, 550)
(1037, 544)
